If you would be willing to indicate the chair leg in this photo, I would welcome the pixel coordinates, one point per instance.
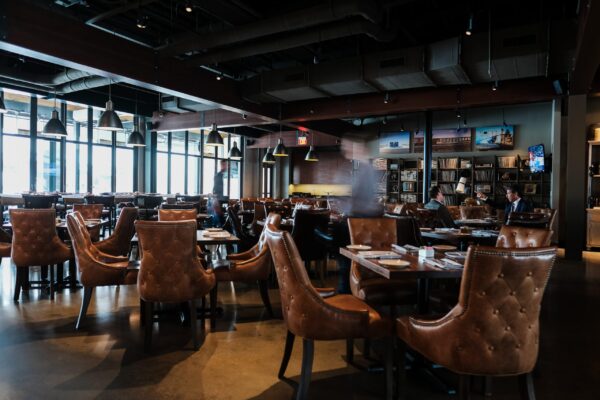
(213, 307)
(142, 312)
(367, 348)
(308, 351)
(487, 386)
(85, 302)
(149, 310)
(51, 287)
(263, 286)
(203, 313)
(349, 351)
(287, 352)
(389, 368)
(400, 369)
(19, 281)
(464, 389)
(526, 387)
(194, 323)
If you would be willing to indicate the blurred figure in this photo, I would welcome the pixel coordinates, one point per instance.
(217, 212)
(437, 203)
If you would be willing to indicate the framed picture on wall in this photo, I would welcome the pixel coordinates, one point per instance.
(445, 140)
(394, 142)
(530, 188)
(500, 137)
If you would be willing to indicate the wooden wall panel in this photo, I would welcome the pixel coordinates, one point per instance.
(332, 168)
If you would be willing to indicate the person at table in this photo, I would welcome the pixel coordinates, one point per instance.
(515, 202)
(437, 203)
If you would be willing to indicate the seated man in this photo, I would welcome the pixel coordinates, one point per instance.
(437, 203)
(515, 202)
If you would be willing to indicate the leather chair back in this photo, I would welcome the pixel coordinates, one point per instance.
(105, 200)
(89, 211)
(407, 230)
(379, 233)
(473, 212)
(427, 218)
(494, 328)
(39, 201)
(454, 211)
(35, 241)
(259, 215)
(177, 215)
(521, 237)
(119, 243)
(305, 223)
(171, 270)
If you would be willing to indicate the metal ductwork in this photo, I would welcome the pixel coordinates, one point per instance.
(179, 105)
(331, 11)
(90, 82)
(42, 80)
(444, 63)
(332, 32)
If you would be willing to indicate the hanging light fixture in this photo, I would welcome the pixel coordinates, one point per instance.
(3, 108)
(135, 137)
(312, 154)
(55, 126)
(268, 159)
(214, 138)
(235, 153)
(280, 150)
(469, 30)
(109, 120)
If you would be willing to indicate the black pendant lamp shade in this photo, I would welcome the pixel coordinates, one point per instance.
(109, 120)
(234, 152)
(280, 150)
(136, 138)
(214, 138)
(54, 126)
(2, 106)
(268, 158)
(311, 155)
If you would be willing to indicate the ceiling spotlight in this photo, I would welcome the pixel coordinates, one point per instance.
(219, 77)
(495, 86)
(188, 7)
(142, 22)
(384, 121)
(244, 116)
(458, 114)
(386, 98)
(469, 30)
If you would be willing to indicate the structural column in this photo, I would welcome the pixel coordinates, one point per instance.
(427, 155)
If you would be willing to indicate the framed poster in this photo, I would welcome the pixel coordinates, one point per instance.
(394, 142)
(445, 140)
(501, 137)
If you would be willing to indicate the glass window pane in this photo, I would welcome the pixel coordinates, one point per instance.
(208, 175)
(102, 137)
(178, 142)
(162, 141)
(77, 114)
(76, 168)
(193, 142)
(162, 169)
(193, 177)
(177, 173)
(16, 120)
(101, 171)
(48, 165)
(15, 172)
(124, 168)
(234, 179)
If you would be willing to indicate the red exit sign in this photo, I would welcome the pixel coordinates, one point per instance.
(302, 140)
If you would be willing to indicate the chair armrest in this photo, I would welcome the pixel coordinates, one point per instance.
(108, 258)
(243, 256)
(255, 258)
(325, 292)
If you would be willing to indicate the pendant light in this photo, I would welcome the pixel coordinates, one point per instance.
(280, 150)
(3, 108)
(268, 159)
(109, 120)
(136, 138)
(54, 126)
(312, 154)
(235, 153)
(214, 138)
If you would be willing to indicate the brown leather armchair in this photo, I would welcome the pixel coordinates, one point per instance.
(520, 237)
(473, 212)
(35, 242)
(494, 328)
(119, 243)
(380, 234)
(5, 243)
(95, 267)
(170, 270)
(91, 211)
(252, 265)
(259, 215)
(177, 215)
(310, 316)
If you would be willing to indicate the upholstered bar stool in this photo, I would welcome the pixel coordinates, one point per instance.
(35, 242)
(170, 270)
(494, 328)
(312, 317)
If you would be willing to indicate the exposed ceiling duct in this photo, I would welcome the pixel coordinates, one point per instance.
(321, 14)
(89, 82)
(42, 80)
(179, 105)
(317, 35)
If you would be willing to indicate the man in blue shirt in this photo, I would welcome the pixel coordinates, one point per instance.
(437, 203)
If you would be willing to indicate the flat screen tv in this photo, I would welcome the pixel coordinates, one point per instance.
(536, 158)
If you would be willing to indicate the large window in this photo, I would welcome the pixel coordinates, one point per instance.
(16, 142)
(77, 148)
(124, 161)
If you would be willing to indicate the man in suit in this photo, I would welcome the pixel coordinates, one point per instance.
(437, 203)
(515, 202)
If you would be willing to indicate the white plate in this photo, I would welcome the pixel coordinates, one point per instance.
(358, 247)
(394, 263)
(218, 235)
(444, 247)
(214, 229)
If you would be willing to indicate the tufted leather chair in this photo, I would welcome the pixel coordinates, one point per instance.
(95, 267)
(407, 230)
(171, 270)
(312, 317)
(305, 224)
(246, 240)
(521, 237)
(251, 265)
(91, 211)
(454, 212)
(108, 201)
(380, 234)
(427, 218)
(259, 215)
(177, 215)
(494, 328)
(35, 242)
(119, 243)
(473, 212)
(5, 243)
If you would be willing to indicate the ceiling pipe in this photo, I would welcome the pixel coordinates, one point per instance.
(41, 79)
(330, 11)
(90, 82)
(344, 29)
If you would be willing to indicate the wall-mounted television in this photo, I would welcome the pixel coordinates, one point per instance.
(536, 158)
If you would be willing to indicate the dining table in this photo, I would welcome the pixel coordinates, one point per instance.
(461, 239)
(481, 223)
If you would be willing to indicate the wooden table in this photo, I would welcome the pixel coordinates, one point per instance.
(204, 240)
(460, 239)
(478, 223)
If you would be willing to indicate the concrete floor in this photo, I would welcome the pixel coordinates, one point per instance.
(41, 356)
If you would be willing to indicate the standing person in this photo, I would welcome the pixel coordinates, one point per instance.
(436, 202)
(216, 209)
(515, 202)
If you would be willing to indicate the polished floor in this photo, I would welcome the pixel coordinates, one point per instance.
(41, 356)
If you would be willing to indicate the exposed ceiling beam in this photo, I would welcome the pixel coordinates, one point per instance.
(118, 10)
(31, 30)
(202, 120)
(289, 140)
(442, 98)
(587, 52)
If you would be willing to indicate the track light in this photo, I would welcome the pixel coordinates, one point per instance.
(244, 116)
(386, 98)
(384, 121)
(458, 114)
(188, 7)
(142, 21)
(219, 77)
(495, 86)
(469, 30)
